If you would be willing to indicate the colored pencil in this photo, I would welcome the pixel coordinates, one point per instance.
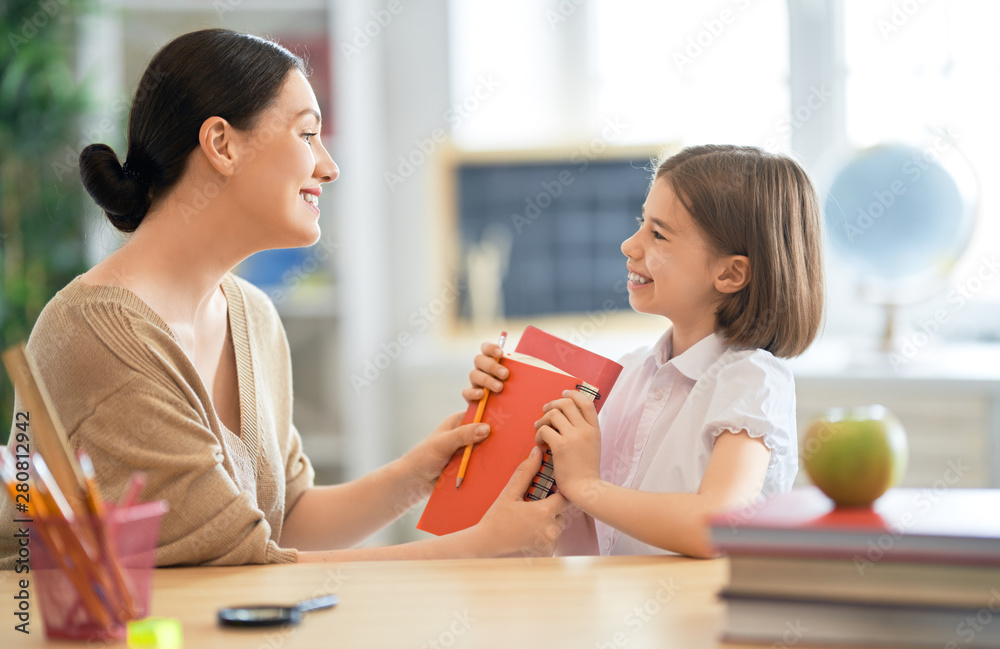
(63, 548)
(105, 547)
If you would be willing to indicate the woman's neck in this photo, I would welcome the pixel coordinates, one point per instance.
(174, 263)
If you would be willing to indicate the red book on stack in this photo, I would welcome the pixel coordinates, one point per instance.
(949, 525)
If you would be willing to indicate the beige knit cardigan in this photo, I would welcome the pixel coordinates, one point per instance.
(129, 396)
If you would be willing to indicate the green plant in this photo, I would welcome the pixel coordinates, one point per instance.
(41, 206)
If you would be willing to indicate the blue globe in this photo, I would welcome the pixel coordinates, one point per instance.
(896, 213)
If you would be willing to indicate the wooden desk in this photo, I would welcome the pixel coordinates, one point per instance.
(603, 602)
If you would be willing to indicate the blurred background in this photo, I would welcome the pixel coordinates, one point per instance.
(493, 157)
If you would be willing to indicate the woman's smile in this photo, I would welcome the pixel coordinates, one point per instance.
(311, 196)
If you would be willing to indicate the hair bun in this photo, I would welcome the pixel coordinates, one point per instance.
(124, 197)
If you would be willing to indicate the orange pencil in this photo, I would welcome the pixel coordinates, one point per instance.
(105, 547)
(77, 537)
(478, 418)
(48, 514)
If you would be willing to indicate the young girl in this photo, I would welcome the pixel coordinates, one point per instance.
(728, 250)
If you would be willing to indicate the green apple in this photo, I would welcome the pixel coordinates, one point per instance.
(855, 454)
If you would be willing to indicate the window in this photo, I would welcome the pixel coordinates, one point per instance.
(606, 77)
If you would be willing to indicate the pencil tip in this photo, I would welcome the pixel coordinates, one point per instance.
(458, 483)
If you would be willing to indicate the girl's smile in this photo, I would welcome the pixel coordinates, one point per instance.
(637, 281)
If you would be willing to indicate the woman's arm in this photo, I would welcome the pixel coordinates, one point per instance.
(511, 527)
(340, 516)
(673, 521)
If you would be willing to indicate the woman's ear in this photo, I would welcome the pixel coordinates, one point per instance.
(215, 140)
(733, 273)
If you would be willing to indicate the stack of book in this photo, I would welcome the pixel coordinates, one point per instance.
(920, 568)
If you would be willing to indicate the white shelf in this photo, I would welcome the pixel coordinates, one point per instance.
(946, 395)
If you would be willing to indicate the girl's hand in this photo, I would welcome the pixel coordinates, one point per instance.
(514, 527)
(426, 460)
(569, 427)
(488, 373)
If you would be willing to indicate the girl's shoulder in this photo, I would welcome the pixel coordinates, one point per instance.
(753, 366)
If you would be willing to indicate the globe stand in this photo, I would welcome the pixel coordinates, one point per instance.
(895, 329)
(892, 329)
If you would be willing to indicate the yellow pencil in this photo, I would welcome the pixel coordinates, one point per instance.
(478, 418)
(65, 549)
(105, 546)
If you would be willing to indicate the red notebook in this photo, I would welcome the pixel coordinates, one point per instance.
(572, 359)
(511, 414)
(933, 525)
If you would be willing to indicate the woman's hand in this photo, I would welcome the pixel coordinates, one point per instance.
(488, 373)
(515, 527)
(569, 427)
(426, 460)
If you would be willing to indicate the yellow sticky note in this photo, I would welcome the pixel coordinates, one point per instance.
(155, 633)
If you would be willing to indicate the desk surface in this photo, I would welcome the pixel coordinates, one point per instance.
(586, 602)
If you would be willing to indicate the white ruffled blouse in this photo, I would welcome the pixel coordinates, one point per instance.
(662, 418)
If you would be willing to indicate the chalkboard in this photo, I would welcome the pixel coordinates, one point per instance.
(559, 224)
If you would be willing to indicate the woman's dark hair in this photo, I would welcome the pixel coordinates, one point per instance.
(212, 72)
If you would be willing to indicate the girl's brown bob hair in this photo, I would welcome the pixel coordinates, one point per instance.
(763, 206)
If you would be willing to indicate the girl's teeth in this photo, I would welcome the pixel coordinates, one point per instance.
(312, 199)
(638, 279)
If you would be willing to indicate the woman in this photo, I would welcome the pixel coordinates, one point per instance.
(159, 360)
